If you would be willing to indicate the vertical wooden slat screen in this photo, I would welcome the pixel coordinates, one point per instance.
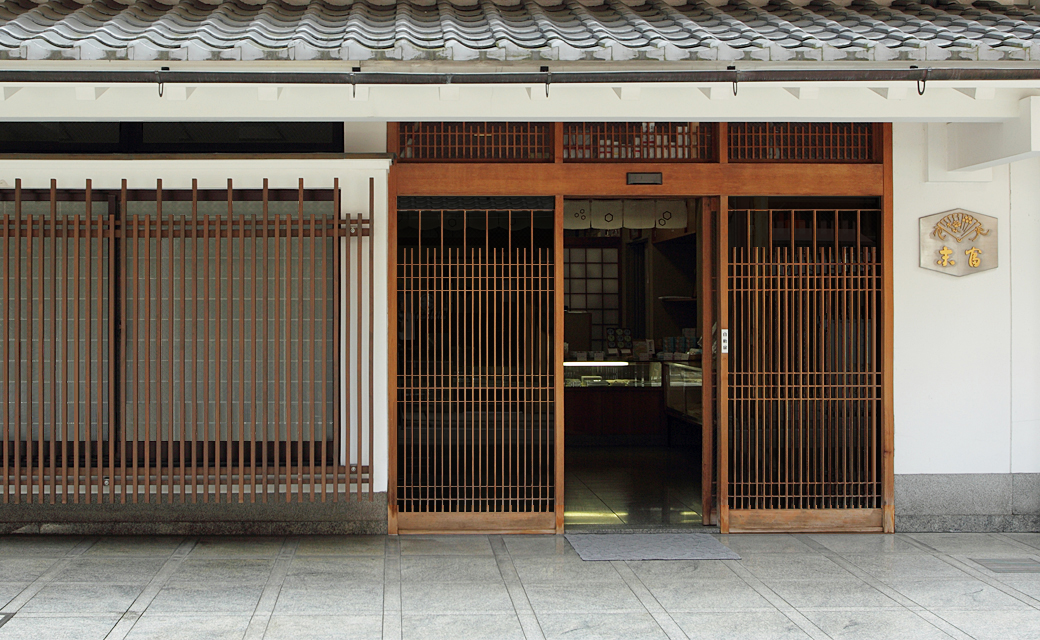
(184, 346)
(804, 142)
(476, 374)
(639, 141)
(58, 425)
(804, 375)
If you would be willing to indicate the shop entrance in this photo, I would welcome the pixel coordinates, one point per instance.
(634, 396)
(727, 357)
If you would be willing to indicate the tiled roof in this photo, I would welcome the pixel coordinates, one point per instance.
(611, 31)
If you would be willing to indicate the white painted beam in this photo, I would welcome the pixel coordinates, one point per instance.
(717, 92)
(804, 93)
(268, 92)
(836, 102)
(974, 146)
(628, 92)
(938, 159)
(90, 93)
(892, 93)
(979, 93)
(178, 92)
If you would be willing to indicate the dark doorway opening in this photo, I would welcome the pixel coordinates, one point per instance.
(632, 366)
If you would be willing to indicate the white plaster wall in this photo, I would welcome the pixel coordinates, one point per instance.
(1025, 316)
(354, 176)
(364, 137)
(967, 354)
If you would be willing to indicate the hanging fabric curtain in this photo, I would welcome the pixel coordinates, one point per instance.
(606, 214)
(576, 214)
(670, 214)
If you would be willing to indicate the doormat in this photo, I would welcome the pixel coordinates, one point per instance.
(649, 546)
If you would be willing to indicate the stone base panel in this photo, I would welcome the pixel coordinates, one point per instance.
(303, 518)
(968, 502)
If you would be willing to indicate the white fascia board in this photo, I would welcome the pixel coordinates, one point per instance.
(141, 173)
(667, 102)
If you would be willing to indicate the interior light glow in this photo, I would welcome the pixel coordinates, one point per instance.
(592, 363)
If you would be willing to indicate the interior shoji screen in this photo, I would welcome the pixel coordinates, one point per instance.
(593, 284)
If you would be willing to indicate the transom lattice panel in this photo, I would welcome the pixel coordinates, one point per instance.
(804, 142)
(634, 141)
(805, 382)
(475, 141)
(476, 374)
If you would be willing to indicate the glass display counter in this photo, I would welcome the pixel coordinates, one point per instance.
(611, 374)
(614, 403)
(682, 391)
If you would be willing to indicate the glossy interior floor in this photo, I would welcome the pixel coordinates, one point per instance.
(632, 487)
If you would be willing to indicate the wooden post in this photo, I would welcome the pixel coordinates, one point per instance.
(723, 142)
(887, 352)
(558, 321)
(704, 246)
(723, 360)
(391, 288)
(393, 139)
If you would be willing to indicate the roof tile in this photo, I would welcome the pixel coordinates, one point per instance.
(567, 30)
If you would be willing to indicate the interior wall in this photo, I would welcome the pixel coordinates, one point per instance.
(967, 355)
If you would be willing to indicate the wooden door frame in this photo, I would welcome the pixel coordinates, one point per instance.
(881, 520)
(609, 180)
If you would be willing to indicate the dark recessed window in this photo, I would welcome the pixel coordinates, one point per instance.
(171, 137)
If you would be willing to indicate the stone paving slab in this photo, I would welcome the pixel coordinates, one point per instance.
(524, 587)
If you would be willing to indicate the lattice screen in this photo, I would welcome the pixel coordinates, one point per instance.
(804, 374)
(476, 373)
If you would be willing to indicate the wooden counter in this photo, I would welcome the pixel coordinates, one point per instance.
(614, 416)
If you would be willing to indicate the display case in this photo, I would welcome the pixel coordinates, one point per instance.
(611, 374)
(682, 383)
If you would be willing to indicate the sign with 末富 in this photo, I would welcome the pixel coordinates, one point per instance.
(958, 242)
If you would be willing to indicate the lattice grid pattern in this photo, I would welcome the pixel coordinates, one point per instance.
(593, 284)
(803, 142)
(635, 141)
(804, 375)
(475, 141)
(476, 372)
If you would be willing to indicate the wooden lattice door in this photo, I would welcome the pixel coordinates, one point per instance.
(801, 376)
(476, 373)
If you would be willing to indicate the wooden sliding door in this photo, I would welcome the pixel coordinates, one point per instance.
(476, 374)
(802, 419)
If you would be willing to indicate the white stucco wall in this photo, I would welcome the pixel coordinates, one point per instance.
(967, 358)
